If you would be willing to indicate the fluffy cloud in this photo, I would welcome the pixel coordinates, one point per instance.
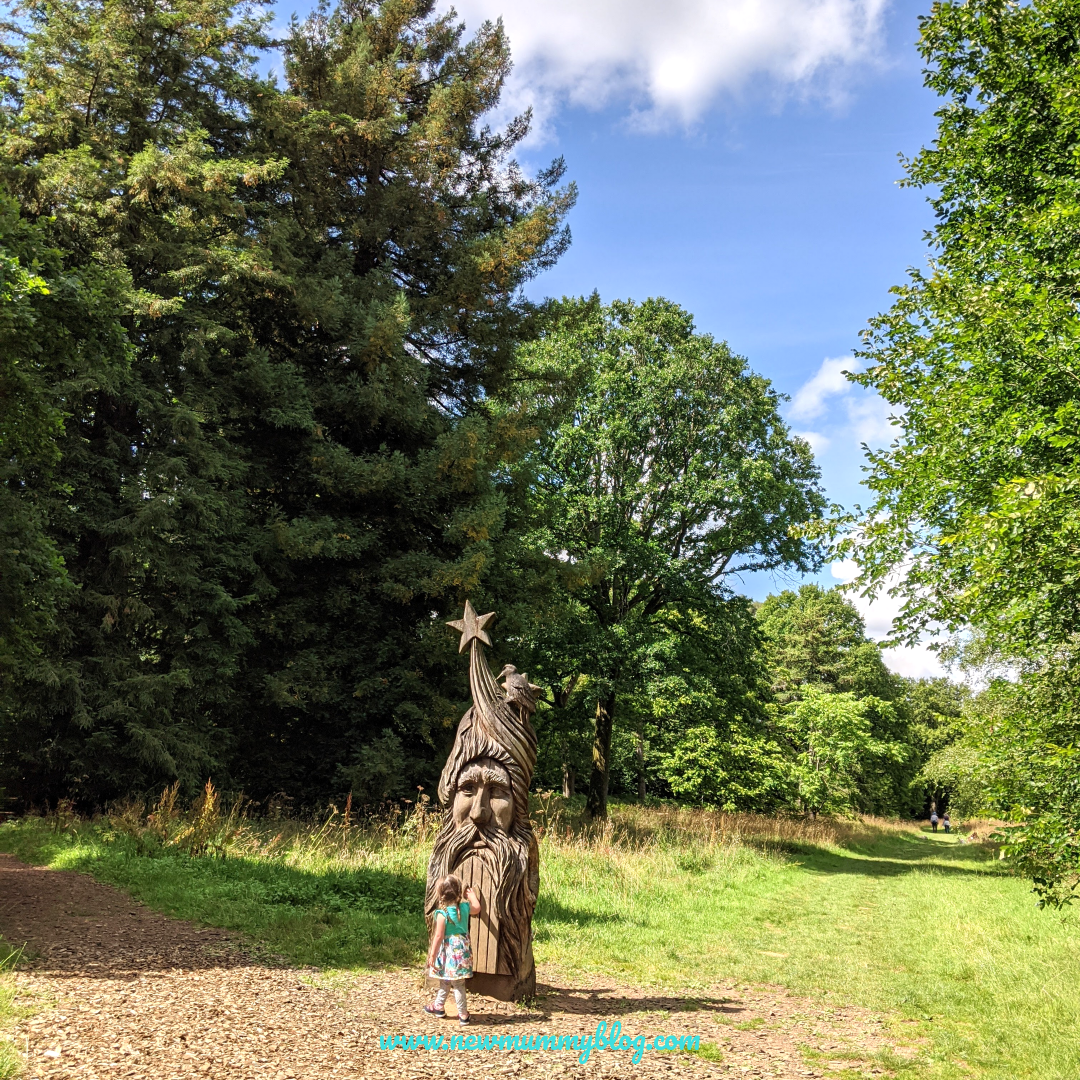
(671, 60)
(871, 419)
(861, 415)
(917, 661)
(828, 381)
(819, 443)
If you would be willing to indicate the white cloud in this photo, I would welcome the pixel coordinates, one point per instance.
(870, 419)
(818, 443)
(671, 60)
(916, 661)
(829, 381)
(854, 414)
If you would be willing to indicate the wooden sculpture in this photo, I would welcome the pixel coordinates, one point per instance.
(486, 838)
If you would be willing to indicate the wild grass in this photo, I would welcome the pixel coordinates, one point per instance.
(10, 1059)
(930, 930)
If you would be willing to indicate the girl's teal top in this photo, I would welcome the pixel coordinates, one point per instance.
(457, 918)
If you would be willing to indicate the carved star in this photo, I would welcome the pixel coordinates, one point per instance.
(472, 626)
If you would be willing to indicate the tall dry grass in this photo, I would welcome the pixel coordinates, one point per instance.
(631, 827)
(215, 827)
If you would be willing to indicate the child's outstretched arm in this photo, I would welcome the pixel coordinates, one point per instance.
(436, 940)
(475, 907)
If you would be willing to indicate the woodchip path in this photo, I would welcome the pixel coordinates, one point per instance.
(116, 990)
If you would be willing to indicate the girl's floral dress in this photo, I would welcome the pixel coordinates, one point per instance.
(454, 958)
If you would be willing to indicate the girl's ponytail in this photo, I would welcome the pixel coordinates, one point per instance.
(449, 890)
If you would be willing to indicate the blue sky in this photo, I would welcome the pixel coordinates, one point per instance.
(740, 158)
(766, 205)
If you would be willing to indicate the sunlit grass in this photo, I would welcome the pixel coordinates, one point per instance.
(10, 1059)
(926, 929)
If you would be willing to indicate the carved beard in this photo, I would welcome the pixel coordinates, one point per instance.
(507, 855)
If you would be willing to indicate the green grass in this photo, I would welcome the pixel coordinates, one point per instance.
(708, 1051)
(10, 1062)
(923, 928)
(918, 926)
(306, 908)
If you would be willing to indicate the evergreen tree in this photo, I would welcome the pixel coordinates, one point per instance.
(406, 231)
(286, 475)
(817, 637)
(124, 140)
(59, 331)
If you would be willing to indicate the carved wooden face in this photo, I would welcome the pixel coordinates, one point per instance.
(483, 796)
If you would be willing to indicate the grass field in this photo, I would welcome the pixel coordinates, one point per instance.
(10, 1064)
(926, 929)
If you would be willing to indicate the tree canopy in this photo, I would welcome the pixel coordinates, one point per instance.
(662, 467)
(976, 499)
(975, 502)
(816, 637)
(273, 403)
(278, 468)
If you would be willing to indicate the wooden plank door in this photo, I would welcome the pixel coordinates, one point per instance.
(483, 929)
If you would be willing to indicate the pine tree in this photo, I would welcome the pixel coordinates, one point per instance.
(125, 129)
(406, 231)
(58, 330)
(278, 480)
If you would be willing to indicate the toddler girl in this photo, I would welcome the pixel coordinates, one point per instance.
(450, 957)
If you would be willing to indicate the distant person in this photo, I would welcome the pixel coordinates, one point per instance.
(933, 820)
(946, 824)
(450, 955)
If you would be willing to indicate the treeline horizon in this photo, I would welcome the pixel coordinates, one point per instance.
(274, 403)
(277, 405)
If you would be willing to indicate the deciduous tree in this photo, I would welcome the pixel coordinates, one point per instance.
(661, 467)
(836, 749)
(976, 501)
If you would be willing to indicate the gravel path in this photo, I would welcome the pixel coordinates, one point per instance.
(120, 991)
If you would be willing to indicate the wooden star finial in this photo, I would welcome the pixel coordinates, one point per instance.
(472, 626)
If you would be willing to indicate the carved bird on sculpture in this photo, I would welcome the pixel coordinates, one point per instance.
(518, 689)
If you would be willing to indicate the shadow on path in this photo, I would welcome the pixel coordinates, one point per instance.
(605, 1001)
(73, 925)
(908, 855)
